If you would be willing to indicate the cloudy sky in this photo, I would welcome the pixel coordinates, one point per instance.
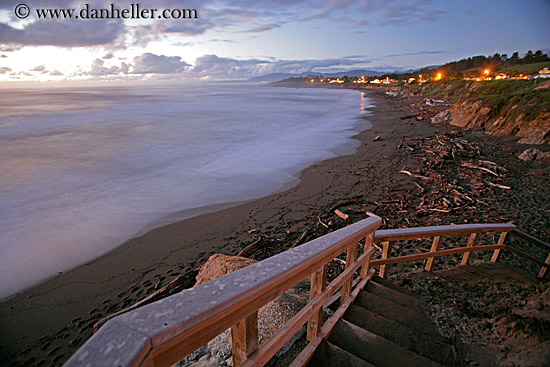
(235, 39)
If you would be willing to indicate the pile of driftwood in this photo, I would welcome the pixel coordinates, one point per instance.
(454, 178)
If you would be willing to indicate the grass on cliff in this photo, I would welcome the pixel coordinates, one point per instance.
(511, 97)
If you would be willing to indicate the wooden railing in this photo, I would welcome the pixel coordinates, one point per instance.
(389, 236)
(164, 332)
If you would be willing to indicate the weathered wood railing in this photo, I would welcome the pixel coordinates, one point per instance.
(388, 236)
(165, 331)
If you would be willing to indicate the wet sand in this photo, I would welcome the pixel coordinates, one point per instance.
(46, 324)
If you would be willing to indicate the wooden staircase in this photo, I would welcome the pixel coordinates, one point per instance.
(386, 326)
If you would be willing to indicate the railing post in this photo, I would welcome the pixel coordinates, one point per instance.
(368, 244)
(386, 254)
(318, 284)
(543, 270)
(471, 243)
(351, 256)
(244, 337)
(496, 254)
(435, 246)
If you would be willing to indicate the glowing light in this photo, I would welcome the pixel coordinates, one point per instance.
(438, 77)
(486, 71)
(313, 80)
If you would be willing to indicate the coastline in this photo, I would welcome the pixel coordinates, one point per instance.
(48, 322)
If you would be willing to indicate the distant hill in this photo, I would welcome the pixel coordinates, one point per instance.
(275, 77)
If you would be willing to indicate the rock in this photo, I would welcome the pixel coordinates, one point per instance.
(529, 154)
(469, 115)
(531, 140)
(219, 264)
(443, 116)
(543, 156)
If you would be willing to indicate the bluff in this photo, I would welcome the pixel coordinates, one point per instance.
(502, 107)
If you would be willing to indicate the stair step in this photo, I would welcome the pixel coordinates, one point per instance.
(330, 355)
(412, 317)
(415, 340)
(393, 295)
(391, 285)
(373, 348)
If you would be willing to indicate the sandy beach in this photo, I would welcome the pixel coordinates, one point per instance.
(46, 324)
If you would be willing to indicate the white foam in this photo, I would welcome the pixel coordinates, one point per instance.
(80, 178)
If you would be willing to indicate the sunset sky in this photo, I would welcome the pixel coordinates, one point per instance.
(242, 39)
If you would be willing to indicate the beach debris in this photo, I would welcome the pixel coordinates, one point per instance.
(300, 240)
(529, 154)
(252, 247)
(376, 138)
(414, 175)
(498, 185)
(321, 222)
(470, 165)
(341, 214)
(174, 286)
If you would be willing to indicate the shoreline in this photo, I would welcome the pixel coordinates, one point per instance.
(50, 321)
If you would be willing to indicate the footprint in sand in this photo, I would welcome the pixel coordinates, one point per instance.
(53, 351)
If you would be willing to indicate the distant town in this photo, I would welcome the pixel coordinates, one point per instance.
(533, 65)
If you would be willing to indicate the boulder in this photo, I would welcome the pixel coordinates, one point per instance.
(529, 154)
(219, 264)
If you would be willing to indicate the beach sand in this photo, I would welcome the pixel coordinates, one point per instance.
(46, 324)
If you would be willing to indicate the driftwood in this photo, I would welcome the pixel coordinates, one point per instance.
(498, 185)
(470, 165)
(414, 175)
(252, 247)
(150, 298)
(341, 214)
(300, 240)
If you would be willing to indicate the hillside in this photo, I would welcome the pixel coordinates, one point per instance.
(502, 107)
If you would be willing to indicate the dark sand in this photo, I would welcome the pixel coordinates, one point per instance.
(46, 324)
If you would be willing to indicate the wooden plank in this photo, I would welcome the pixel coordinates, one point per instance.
(244, 338)
(351, 256)
(543, 269)
(533, 240)
(318, 284)
(426, 255)
(303, 358)
(268, 349)
(471, 243)
(496, 254)
(368, 246)
(426, 232)
(527, 256)
(435, 246)
(386, 254)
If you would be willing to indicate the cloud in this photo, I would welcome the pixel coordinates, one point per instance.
(416, 53)
(4, 70)
(56, 73)
(213, 66)
(149, 63)
(62, 33)
(39, 68)
(99, 69)
(108, 56)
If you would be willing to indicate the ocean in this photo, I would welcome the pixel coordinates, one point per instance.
(82, 170)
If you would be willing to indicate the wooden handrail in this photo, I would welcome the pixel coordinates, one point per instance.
(163, 332)
(450, 230)
(533, 240)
